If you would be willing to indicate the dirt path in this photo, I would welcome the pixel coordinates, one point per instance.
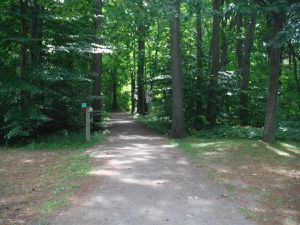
(146, 181)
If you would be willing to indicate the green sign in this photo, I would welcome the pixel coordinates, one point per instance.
(83, 105)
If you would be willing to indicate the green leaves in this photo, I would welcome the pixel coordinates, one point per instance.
(23, 123)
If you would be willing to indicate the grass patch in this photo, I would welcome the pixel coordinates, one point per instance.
(283, 133)
(199, 148)
(51, 205)
(250, 213)
(253, 171)
(39, 178)
(278, 202)
(65, 141)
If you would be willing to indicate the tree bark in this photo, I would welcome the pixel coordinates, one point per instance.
(215, 65)
(295, 58)
(276, 25)
(141, 103)
(244, 99)
(36, 33)
(239, 43)
(199, 64)
(154, 70)
(176, 73)
(114, 90)
(25, 96)
(97, 69)
(132, 82)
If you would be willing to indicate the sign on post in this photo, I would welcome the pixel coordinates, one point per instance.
(83, 106)
(88, 110)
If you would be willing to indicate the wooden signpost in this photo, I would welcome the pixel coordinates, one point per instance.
(88, 110)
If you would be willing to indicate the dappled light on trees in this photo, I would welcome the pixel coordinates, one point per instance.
(189, 66)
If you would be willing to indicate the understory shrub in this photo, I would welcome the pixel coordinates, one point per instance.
(282, 133)
(161, 125)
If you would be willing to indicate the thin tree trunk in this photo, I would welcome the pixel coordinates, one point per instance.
(36, 48)
(114, 90)
(215, 66)
(176, 60)
(132, 77)
(225, 43)
(275, 52)
(154, 70)
(36, 33)
(199, 66)
(296, 74)
(244, 99)
(141, 104)
(97, 68)
(295, 58)
(239, 43)
(24, 95)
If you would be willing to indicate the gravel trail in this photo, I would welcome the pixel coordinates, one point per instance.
(144, 180)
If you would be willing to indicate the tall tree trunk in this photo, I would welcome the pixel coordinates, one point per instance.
(154, 70)
(276, 25)
(215, 66)
(97, 68)
(114, 90)
(24, 95)
(244, 99)
(36, 33)
(239, 43)
(199, 62)
(295, 58)
(141, 104)
(176, 60)
(36, 48)
(132, 82)
(225, 41)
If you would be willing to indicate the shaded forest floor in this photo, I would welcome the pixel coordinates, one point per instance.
(265, 178)
(41, 177)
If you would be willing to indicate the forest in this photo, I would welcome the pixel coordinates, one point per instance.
(188, 66)
(195, 120)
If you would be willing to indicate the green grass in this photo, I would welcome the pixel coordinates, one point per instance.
(71, 169)
(199, 148)
(59, 177)
(250, 213)
(66, 141)
(283, 133)
(278, 202)
(247, 166)
(51, 205)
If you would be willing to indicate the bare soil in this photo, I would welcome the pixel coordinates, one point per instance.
(269, 191)
(27, 182)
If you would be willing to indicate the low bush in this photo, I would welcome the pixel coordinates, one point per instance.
(161, 125)
(283, 133)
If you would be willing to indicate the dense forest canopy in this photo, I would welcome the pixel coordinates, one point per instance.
(190, 65)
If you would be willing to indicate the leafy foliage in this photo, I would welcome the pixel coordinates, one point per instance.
(60, 79)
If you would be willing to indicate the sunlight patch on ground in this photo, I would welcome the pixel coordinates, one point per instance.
(279, 152)
(137, 137)
(197, 145)
(291, 148)
(144, 182)
(284, 172)
(27, 161)
(212, 153)
(104, 172)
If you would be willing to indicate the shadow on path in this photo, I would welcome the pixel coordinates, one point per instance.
(147, 181)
